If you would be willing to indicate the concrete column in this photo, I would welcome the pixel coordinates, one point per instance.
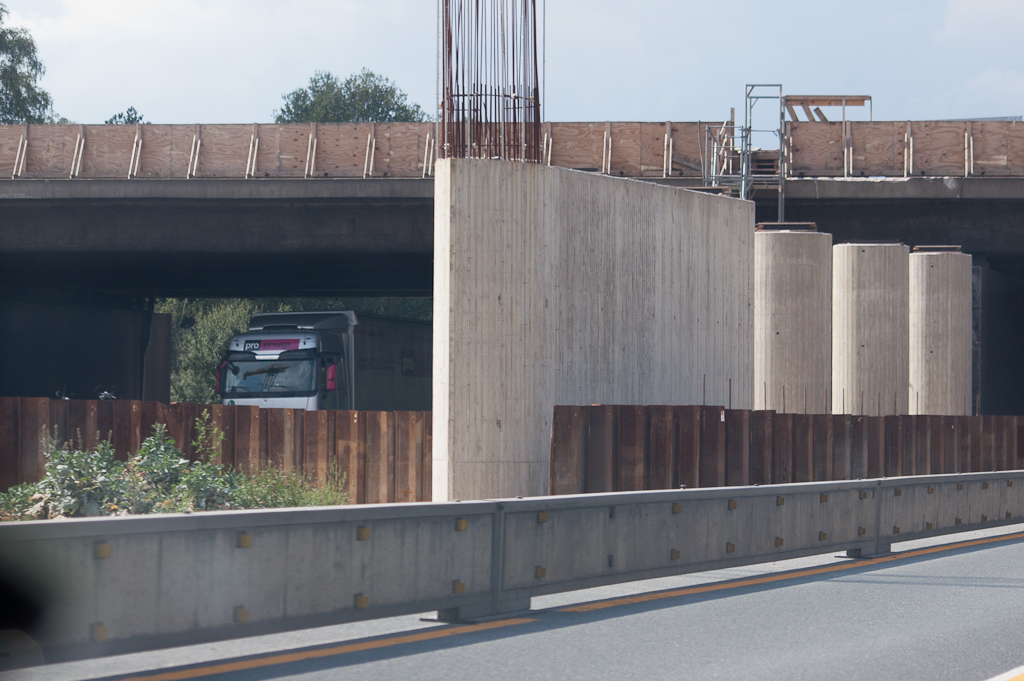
(940, 333)
(870, 336)
(793, 321)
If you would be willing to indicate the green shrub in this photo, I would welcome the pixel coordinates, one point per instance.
(78, 482)
(271, 488)
(158, 479)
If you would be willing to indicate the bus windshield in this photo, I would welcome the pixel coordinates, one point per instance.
(245, 377)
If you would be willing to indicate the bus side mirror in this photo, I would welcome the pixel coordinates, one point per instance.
(332, 377)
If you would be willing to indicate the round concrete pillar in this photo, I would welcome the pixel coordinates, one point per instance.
(870, 336)
(940, 333)
(792, 321)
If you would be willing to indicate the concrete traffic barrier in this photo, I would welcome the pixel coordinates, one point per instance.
(133, 583)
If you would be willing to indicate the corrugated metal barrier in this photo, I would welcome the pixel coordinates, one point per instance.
(385, 456)
(606, 448)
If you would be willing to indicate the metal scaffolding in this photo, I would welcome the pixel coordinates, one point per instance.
(732, 162)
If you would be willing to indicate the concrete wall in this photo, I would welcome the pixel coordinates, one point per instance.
(940, 333)
(560, 287)
(793, 321)
(870, 336)
(113, 585)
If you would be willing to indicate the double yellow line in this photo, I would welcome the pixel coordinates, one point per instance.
(448, 632)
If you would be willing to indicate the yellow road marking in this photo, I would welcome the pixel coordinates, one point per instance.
(723, 586)
(1012, 675)
(434, 634)
(285, 658)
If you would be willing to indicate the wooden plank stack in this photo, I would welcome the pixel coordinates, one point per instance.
(613, 448)
(385, 456)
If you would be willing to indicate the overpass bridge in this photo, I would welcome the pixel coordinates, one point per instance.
(114, 215)
(324, 209)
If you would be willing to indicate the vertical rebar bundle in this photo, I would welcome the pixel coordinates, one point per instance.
(490, 94)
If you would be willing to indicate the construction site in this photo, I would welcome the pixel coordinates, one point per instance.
(656, 348)
(799, 257)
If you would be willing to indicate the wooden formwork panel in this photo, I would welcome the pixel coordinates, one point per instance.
(938, 147)
(281, 151)
(50, 150)
(990, 147)
(577, 145)
(878, 149)
(107, 152)
(626, 149)
(10, 138)
(406, 145)
(687, 149)
(816, 148)
(652, 149)
(341, 149)
(1015, 147)
(223, 150)
(165, 151)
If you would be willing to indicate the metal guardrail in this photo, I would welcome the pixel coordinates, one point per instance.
(119, 584)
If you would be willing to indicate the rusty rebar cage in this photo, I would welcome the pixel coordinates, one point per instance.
(489, 85)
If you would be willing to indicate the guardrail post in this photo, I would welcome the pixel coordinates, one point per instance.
(876, 543)
(501, 601)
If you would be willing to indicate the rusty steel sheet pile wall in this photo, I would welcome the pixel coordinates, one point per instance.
(147, 582)
(619, 448)
(385, 456)
(553, 286)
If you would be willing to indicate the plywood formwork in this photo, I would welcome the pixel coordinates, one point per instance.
(110, 148)
(907, 148)
(816, 148)
(49, 150)
(397, 150)
(878, 148)
(165, 151)
(552, 287)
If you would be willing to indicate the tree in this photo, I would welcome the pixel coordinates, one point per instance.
(129, 117)
(21, 100)
(362, 97)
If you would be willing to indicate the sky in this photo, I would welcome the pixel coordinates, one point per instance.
(230, 61)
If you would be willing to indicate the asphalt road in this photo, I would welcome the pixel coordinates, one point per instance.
(930, 611)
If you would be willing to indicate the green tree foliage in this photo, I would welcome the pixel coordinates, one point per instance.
(129, 117)
(362, 97)
(202, 327)
(21, 100)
